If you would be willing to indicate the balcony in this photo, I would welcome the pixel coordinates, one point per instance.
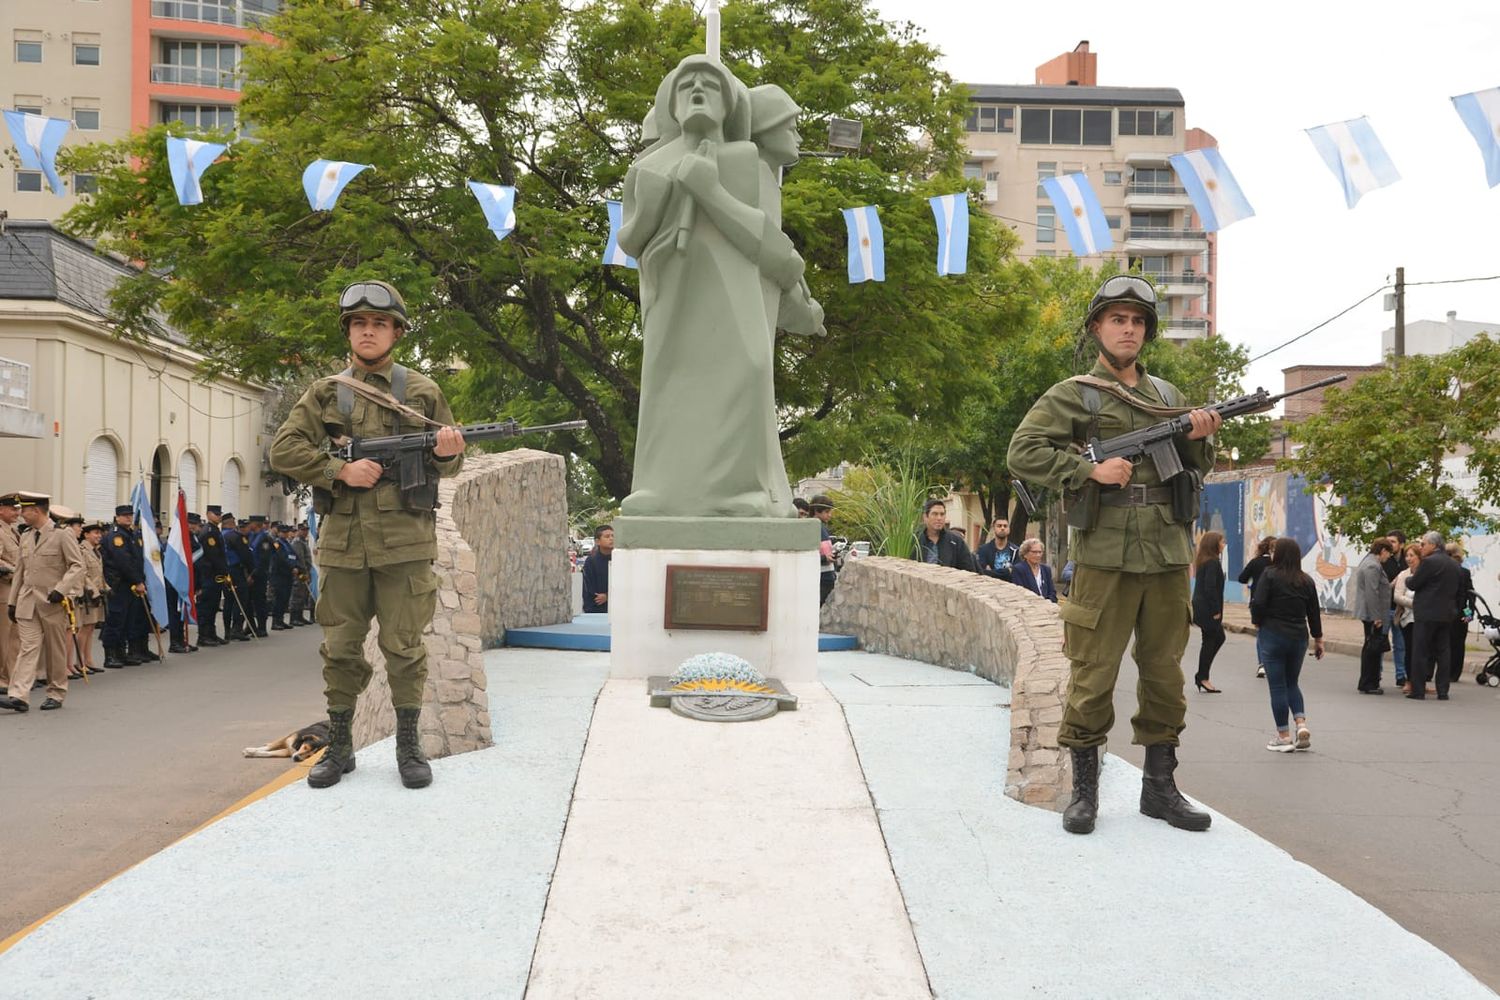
(248, 14)
(196, 76)
(1166, 240)
(1144, 195)
(1184, 329)
(1186, 284)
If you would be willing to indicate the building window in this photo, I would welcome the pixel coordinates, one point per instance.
(202, 64)
(1145, 121)
(1036, 126)
(1113, 220)
(1113, 177)
(29, 180)
(1044, 171)
(85, 55)
(28, 52)
(85, 184)
(1046, 253)
(1066, 127)
(991, 118)
(87, 119)
(1098, 128)
(973, 170)
(1046, 225)
(209, 117)
(29, 109)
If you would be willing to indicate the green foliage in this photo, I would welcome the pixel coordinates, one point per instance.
(882, 504)
(1213, 369)
(1380, 444)
(548, 96)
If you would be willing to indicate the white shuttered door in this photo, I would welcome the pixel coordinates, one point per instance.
(229, 488)
(187, 478)
(100, 479)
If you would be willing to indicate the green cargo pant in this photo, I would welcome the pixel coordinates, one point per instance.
(401, 598)
(1104, 607)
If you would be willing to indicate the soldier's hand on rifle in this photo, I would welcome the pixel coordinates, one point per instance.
(450, 442)
(1205, 422)
(1112, 472)
(361, 473)
(54, 597)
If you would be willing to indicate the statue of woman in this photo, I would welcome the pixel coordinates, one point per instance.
(706, 440)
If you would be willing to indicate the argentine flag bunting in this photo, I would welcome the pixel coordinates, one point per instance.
(156, 585)
(952, 214)
(177, 565)
(1355, 156)
(1081, 214)
(1481, 113)
(324, 181)
(37, 139)
(1215, 194)
(312, 571)
(866, 244)
(499, 204)
(612, 252)
(188, 158)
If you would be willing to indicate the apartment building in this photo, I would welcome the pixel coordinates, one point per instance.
(112, 66)
(1120, 137)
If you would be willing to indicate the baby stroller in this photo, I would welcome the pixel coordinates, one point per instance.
(1490, 672)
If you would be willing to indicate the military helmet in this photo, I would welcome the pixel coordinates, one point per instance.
(372, 297)
(1129, 289)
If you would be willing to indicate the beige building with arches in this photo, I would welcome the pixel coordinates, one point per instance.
(110, 411)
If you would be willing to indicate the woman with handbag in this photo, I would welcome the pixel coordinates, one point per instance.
(1285, 608)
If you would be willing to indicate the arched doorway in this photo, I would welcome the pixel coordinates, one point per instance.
(229, 487)
(161, 473)
(101, 479)
(187, 479)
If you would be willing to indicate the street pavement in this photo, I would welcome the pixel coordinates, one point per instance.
(1399, 800)
(138, 758)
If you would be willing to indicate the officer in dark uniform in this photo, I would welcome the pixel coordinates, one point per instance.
(260, 573)
(210, 567)
(284, 568)
(239, 559)
(125, 628)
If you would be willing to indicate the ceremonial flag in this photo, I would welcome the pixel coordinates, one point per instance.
(1081, 214)
(952, 214)
(156, 584)
(1355, 156)
(1215, 194)
(188, 158)
(37, 139)
(1481, 113)
(324, 181)
(499, 204)
(866, 244)
(312, 569)
(176, 564)
(612, 252)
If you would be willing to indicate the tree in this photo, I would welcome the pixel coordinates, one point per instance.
(548, 96)
(1380, 444)
(1213, 369)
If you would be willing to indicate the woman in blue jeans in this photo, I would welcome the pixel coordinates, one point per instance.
(1285, 609)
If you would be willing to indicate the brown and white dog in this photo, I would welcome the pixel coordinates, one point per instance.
(299, 745)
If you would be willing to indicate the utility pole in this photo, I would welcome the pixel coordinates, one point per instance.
(1400, 343)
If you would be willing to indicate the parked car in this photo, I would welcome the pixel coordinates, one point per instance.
(858, 550)
(585, 546)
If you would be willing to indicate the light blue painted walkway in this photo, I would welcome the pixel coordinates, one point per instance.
(591, 632)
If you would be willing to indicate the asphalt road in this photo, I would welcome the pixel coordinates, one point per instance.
(1399, 800)
(139, 758)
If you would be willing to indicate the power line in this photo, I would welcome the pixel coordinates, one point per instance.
(1454, 281)
(1320, 326)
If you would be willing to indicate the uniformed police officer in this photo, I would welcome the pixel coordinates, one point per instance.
(206, 574)
(284, 567)
(1132, 544)
(259, 573)
(239, 558)
(125, 627)
(376, 543)
(301, 594)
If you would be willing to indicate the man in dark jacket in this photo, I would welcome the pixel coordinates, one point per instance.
(937, 545)
(596, 571)
(1462, 615)
(125, 627)
(1434, 585)
(996, 556)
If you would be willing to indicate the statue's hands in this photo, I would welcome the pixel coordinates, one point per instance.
(786, 268)
(699, 170)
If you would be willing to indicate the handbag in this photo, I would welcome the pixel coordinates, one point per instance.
(1378, 641)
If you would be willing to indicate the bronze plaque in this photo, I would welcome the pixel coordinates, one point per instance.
(737, 598)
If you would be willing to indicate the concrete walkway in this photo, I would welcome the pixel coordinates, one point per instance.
(724, 861)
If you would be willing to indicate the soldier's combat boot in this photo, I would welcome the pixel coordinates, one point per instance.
(415, 771)
(114, 657)
(338, 760)
(130, 656)
(1080, 814)
(1160, 798)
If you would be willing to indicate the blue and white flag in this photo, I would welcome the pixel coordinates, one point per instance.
(866, 244)
(1215, 193)
(312, 569)
(499, 204)
(37, 139)
(156, 584)
(324, 181)
(952, 214)
(612, 252)
(1355, 156)
(1481, 113)
(1081, 214)
(188, 158)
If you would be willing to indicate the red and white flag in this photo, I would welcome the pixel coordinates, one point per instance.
(178, 560)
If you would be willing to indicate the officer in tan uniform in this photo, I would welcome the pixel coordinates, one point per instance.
(375, 543)
(10, 557)
(51, 566)
(1131, 545)
(91, 607)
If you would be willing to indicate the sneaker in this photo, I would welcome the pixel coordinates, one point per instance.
(1260, 671)
(1304, 738)
(1281, 744)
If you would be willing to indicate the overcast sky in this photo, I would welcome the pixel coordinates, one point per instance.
(1256, 75)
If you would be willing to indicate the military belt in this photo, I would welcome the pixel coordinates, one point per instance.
(1136, 495)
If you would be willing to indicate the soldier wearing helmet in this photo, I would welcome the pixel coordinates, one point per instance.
(1131, 547)
(376, 542)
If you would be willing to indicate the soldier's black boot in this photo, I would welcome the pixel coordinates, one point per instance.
(114, 657)
(133, 657)
(1160, 798)
(415, 771)
(1080, 814)
(338, 760)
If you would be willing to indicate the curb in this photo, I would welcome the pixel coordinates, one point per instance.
(1346, 648)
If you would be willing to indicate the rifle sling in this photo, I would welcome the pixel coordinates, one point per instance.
(1120, 393)
(383, 399)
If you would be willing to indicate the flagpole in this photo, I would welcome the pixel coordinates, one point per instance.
(711, 36)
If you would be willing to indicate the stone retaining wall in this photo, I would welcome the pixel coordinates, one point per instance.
(502, 563)
(1001, 632)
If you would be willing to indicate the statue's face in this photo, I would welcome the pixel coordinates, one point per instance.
(779, 145)
(700, 95)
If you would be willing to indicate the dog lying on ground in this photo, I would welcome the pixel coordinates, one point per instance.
(299, 745)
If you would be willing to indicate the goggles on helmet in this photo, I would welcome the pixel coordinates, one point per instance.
(1127, 286)
(369, 295)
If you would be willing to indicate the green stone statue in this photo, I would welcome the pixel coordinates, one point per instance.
(702, 215)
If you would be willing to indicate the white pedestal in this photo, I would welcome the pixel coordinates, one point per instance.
(640, 645)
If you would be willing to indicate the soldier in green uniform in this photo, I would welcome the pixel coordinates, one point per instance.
(1132, 543)
(375, 543)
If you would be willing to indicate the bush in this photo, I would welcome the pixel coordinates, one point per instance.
(882, 504)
